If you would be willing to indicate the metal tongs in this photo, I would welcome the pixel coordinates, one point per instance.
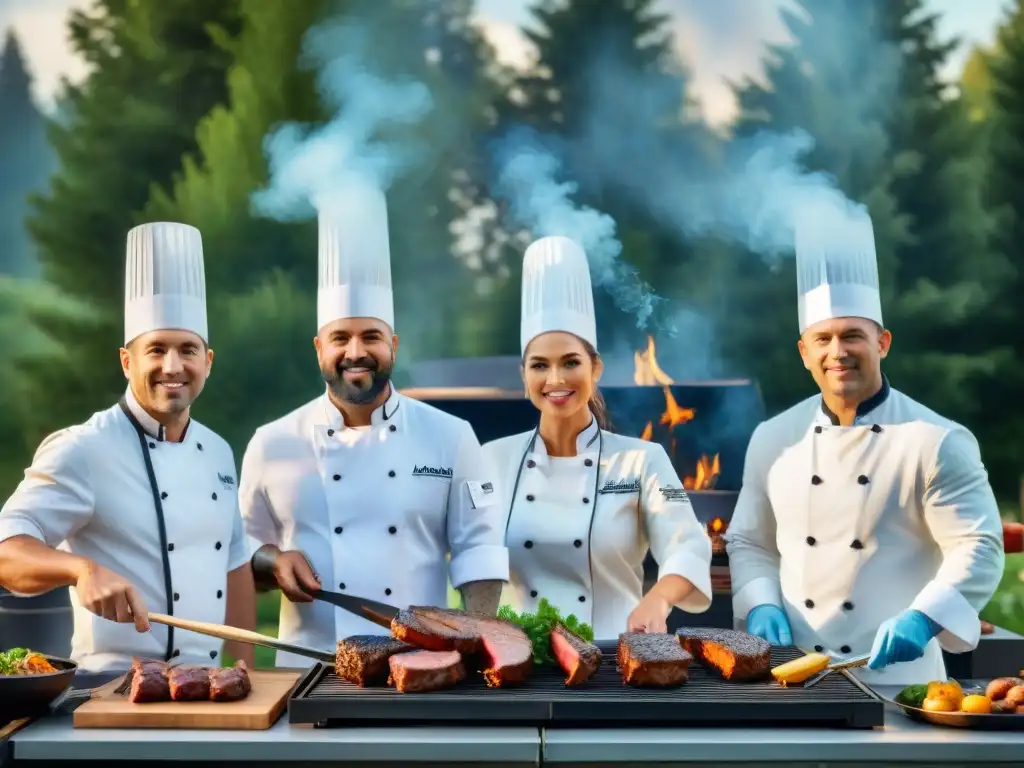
(856, 661)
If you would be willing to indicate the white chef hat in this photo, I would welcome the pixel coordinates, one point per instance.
(355, 257)
(165, 283)
(557, 294)
(836, 265)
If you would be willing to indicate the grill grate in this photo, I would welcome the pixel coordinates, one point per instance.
(324, 699)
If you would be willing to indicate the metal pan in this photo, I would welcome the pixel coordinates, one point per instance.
(960, 719)
(24, 696)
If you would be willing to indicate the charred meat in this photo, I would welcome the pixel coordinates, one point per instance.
(503, 648)
(363, 659)
(420, 671)
(652, 660)
(230, 683)
(733, 655)
(577, 658)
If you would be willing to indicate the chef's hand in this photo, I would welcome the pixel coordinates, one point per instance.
(106, 594)
(770, 622)
(903, 638)
(649, 615)
(295, 576)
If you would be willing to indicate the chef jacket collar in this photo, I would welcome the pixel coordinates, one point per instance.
(863, 409)
(149, 425)
(382, 415)
(586, 443)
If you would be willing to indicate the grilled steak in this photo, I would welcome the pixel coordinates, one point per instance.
(230, 683)
(503, 648)
(652, 660)
(363, 659)
(189, 683)
(733, 655)
(149, 687)
(578, 658)
(419, 671)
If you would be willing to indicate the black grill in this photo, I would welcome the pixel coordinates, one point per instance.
(323, 699)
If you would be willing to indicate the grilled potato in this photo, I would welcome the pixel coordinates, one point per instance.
(998, 688)
(1015, 696)
(976, 705)
(939, 705)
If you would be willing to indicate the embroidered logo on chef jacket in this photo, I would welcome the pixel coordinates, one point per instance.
(673, 493)
(621, 486)
(226, 480)
(425, 471)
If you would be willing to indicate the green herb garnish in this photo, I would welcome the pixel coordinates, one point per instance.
(538, 628)
(10, 661)
(914, 695)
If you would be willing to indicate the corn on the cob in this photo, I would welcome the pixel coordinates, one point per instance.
(802, 669)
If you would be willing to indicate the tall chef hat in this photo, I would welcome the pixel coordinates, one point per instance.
(355, 257)
(165, 284)
(836, 265)
(557, 295)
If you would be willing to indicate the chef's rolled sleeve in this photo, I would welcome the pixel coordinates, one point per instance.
(476, 517)
(754, 558)
(259, 523)
(679, 543)
(962, 515)
(55, 498)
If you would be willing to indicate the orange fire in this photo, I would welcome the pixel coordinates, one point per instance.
(648, 373)
(717, 525)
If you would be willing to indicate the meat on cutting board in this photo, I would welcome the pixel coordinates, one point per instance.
(230, 683)
(421, 671)
(149, 686)
(363, 659)
(578, 658)
(189, 683)
(652, 660)
(736, 656)
(503, 649)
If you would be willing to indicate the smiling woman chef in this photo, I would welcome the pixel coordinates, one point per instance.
(866, 523)
(372, 488)
(137, 506)
(583, 503)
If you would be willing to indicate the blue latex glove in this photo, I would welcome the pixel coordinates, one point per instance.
(903, 638)
(770, 622)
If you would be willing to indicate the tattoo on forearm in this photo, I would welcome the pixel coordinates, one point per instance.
(482, 596)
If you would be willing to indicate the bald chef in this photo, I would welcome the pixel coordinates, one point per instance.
(369, 487)
(137, 507)
(866, 523)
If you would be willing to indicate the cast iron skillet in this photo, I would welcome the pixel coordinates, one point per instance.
(31, 695)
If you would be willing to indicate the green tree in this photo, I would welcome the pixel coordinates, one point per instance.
(26, 159)
(154, 72)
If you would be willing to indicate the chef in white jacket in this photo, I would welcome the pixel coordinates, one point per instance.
(866, 523)
(373, 489)
(137, 508)
(583, 505)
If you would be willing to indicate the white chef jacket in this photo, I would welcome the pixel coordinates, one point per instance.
(845, 527)
(579, 528)
(88, 492)
(375, 509)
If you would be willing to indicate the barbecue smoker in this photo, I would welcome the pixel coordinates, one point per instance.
(704, 426)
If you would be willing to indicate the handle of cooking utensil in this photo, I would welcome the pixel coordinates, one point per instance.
(237, 635)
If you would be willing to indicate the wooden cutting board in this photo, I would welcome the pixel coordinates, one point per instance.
(258, 711)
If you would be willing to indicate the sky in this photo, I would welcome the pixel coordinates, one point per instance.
(721, 40)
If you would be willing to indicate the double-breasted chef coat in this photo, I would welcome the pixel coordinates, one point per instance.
(89, 492)
(579, 528)
(845, 527)
(376, 510)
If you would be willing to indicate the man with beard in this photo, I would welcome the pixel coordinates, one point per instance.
(138, 507)
(365, 491)
(866, 523)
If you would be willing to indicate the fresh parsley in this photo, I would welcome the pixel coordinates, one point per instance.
(538, 628)
(10, 661)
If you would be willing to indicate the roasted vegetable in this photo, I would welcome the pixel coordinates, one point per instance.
(914, 695)
(21, 661)
(538, 627)
(802, 669)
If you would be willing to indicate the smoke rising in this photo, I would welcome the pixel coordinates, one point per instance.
(528, 182)
(314, 167)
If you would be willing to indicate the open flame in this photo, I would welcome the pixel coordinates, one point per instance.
(716, 526)
(647, 373)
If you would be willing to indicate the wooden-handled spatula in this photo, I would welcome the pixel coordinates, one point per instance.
(240, 636)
